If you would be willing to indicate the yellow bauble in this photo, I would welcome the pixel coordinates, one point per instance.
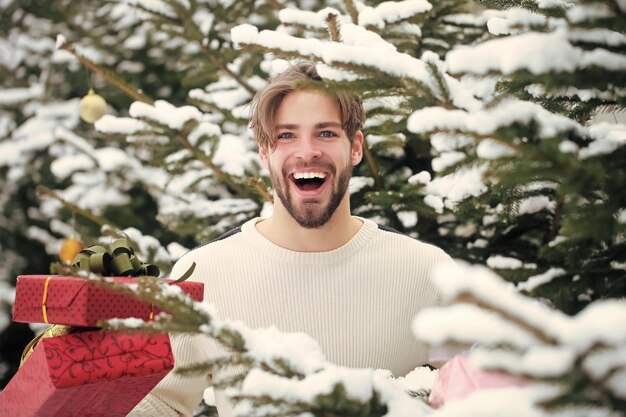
(69, 249)
(92, 107)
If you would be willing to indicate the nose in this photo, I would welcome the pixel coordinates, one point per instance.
(308, 149)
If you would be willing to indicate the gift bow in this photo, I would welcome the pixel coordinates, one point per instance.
(119, 261)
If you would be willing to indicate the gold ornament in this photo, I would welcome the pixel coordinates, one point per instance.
(92, 107)
(69, 249)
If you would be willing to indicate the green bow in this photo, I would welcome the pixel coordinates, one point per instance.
(120, 260)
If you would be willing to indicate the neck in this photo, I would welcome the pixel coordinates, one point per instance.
(282, 230)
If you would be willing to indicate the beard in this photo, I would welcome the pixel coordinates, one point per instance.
(313, 214)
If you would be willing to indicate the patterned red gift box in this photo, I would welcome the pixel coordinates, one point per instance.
(87, 374)
(76, 301)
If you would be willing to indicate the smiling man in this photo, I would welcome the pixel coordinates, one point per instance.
(311, 266)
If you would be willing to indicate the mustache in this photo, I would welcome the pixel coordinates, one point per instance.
(323, 165)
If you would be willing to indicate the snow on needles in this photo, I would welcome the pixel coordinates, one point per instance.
(165, 113)
(374, 56)
(391, 12)
(538, 53)
(603, 322)
(485, 122)
(358, 47)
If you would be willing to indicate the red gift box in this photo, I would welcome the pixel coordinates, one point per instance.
(87, 374)
(77, 301)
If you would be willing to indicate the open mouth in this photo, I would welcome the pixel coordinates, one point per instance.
(309, 181)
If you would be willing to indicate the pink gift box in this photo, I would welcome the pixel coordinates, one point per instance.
(458, 378)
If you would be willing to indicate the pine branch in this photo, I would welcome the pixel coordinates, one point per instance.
(259, 186)
(192, 31)
(108, 76)
(352, 11)
(466, 297)
(219, 173)
(45, 192)
(333, 27)
(373, 165)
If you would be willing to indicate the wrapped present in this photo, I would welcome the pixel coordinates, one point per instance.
(87, 374)
(80, 302)
(458, 378)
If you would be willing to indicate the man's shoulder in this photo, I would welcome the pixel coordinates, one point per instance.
(402, 243)
(223, 241)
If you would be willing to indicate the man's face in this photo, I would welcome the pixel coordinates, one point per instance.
(312, 163)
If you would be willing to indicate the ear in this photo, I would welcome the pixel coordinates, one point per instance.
(357, 148)
(263, 155)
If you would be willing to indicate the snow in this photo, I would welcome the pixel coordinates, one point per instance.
(204, 208)
(91, 191)
(538, 280)
(64, 166)
(535, 204)
(567, 146)
(12, 96)
(512, 18)
(446, 160)
(466, 323)
(305, 18)
(582, 12)
(204, 129)
(537, 361)
(608, 138)
(176, 250)
(358, 384)
(356, 183)
(457, 186)
(407, 218)
(391, 12)
(503, 262)
(528, 52)
(604, 36)
(497, 402)
(436, 202)
(60, 41)
(492, 149)
(205, 21)
(165, 113)
(485, 122)
(120, 125)
(233, 155)
(300, 350)
(486, 285)
(381, 55)
(422, 177)
(37, 132)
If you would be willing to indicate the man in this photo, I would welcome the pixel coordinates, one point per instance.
(311, 266)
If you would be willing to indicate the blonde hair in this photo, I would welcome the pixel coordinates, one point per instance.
(298, 77)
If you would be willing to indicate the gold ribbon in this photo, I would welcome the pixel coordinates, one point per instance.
(52, 331)
(43, 301)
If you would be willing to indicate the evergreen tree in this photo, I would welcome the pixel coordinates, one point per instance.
(550, 214)
(498, 165)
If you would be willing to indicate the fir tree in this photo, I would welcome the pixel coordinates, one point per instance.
(498, 166)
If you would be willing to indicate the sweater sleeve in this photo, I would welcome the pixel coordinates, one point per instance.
(176, 394)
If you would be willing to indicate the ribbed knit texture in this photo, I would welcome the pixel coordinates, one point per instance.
(357, 301)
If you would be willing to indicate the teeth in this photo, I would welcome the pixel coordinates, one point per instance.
(307, 175)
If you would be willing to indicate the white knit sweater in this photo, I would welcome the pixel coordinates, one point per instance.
(357, 301)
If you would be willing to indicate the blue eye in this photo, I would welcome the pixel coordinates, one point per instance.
(327, 134)
(285, 135)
